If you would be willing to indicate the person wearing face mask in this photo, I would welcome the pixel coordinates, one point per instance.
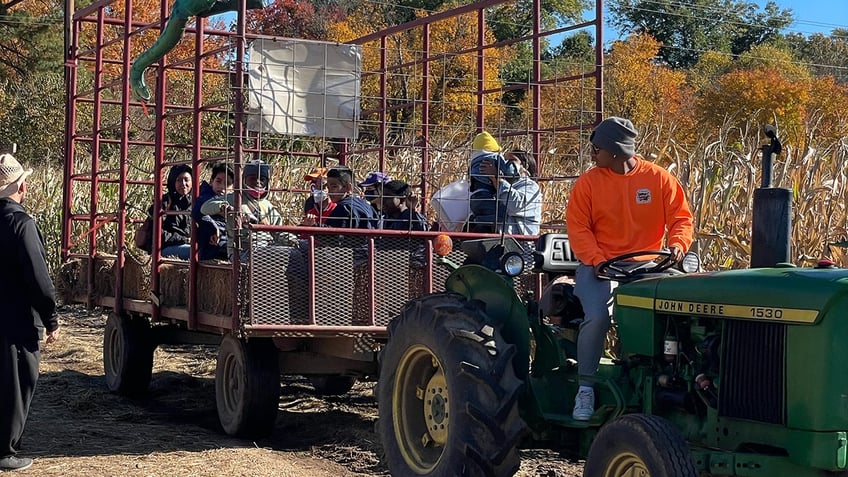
(255, 207)
(370, 187)
(322, 206)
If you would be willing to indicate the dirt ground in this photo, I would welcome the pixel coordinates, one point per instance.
(77, 428)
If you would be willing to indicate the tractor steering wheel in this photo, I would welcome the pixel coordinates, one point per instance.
(615, 271)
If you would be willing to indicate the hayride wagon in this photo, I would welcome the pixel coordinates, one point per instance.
(316, 302)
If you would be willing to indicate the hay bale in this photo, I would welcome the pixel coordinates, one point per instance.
(104, 275)
(173, 284)
(137, 277)
(70, 281)
(214, 288)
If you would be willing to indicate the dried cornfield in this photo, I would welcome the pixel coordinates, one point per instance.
(720, 178)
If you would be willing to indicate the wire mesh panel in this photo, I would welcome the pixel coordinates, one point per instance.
(400, 273)
(279, 286)
(341, 280)
(356, 278)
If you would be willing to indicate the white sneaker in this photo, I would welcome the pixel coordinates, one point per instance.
(584, 405)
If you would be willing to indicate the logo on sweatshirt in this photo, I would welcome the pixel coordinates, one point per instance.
(643, 196)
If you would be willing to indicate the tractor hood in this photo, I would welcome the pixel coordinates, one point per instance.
(787, 295)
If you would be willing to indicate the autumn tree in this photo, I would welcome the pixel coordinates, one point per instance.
(765, 87)
(295, 19)
(826, 55)
(648, 92)
(827, 111)
(687, 29)
(30, 37)
(31, 79)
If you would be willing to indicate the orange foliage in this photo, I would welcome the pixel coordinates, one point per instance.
(761, 95)
(648, 93)
(36, 8)
(827, 108)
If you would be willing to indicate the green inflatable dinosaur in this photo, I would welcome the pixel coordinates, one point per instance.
(170, 36)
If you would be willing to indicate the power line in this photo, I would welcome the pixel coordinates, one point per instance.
(716, 10)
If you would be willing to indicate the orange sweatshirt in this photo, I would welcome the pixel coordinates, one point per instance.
(611, 214)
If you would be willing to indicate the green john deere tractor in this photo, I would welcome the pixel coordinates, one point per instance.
(724, 373)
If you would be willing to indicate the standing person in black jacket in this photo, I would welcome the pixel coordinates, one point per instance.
(29, 306)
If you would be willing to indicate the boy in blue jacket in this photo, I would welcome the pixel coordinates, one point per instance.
(212, 229)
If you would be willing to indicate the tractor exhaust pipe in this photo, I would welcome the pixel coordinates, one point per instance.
(772, 222)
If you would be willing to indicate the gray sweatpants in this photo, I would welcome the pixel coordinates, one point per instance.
(596, 297)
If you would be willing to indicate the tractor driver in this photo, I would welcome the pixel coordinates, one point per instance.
(624, 204)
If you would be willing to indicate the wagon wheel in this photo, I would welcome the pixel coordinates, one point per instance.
(447, 392)
(639, 445)
(247, 386)
(127, 354)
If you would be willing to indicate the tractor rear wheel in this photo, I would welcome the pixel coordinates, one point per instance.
(127, 354)
(639, 445)
(332, 385)
(247, 386)
(447, 392)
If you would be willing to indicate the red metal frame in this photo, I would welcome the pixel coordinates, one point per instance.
(83, 147)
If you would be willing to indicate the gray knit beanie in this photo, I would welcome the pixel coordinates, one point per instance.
(616, 135)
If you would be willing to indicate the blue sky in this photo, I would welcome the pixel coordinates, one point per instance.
(815, 16)
(811, 16)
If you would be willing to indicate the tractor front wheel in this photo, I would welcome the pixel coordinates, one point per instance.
(247, 386)
(639, 445)
(447, 392)
(127, 354)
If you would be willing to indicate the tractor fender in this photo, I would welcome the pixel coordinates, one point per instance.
(497, 298)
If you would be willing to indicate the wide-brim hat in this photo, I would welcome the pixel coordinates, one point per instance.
(315, 174)
(12, 174)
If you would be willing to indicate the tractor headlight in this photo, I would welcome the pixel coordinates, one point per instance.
(512, 264)
(691, 262)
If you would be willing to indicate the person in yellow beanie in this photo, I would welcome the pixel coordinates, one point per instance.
(485, 142)
(484, 202)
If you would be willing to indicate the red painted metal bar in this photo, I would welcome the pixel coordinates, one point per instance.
(425, 115)
(381, 155)
(311, 274)
(481, 65)
(196, 135)
(380, 330)
(536, 88)
(120, 260)
(70, 143)
(371, 285)
(599, 60)
(238, 131)
(159, 154)
(95, 162)
(147, 143)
